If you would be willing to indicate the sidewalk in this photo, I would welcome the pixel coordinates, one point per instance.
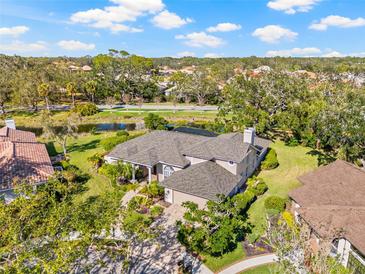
(249, 263)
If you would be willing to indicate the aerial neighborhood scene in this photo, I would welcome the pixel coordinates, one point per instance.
(195, 136)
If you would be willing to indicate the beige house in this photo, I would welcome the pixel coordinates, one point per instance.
(331, 202)
(194, 165)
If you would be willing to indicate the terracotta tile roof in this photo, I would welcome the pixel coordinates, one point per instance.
(332, 200)
(22, 158)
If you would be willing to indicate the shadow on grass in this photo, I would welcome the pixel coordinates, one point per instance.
(322, 157)
(51, 149)
(81, 148)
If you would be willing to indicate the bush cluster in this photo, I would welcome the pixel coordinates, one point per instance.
(109, 143)
(257, 186)
(86, 109)
(153, 121)
(271, 160)
(275, 203)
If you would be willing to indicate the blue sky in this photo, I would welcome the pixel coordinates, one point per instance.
(199, 28)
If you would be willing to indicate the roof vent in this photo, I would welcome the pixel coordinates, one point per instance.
(10, 123)
(249, 135)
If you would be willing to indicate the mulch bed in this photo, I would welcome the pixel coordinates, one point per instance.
(260, 247)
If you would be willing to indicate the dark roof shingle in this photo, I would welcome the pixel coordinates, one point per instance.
(205, 180)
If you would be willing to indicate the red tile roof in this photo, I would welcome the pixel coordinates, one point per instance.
(22, 158)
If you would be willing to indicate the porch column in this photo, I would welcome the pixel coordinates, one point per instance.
(150, 174)
(133, 173)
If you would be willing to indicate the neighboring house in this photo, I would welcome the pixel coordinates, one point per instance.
(331, 203)
(22, 159)
(191, 165)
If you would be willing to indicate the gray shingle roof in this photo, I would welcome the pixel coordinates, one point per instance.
(227, 147)
(170, 147)
(157, 146)
(206, 180)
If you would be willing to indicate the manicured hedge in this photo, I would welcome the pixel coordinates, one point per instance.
(275, 203)
(271, 160)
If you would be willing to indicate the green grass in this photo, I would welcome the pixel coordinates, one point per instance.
(79, 150)
(29, 119)
(263, 269)
(293, 162)
(218, 263)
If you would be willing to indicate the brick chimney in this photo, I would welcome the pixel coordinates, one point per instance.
(249, 135)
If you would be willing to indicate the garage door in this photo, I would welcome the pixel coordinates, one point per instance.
(180, 197)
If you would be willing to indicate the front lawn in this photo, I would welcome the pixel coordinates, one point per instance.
(263, 269)
(218, 263)
(79, 150)
(293, 162)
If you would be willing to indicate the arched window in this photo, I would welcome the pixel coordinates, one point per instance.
(167, 171)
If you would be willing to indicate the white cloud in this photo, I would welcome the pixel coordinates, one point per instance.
(13, 31)
(274, 33)
(169, 20)
(115, 28)
(141, 5)
(185, 54)
(75, 45)
(20, 47)
(357, 54)
(294, 52)
(338, 21)
(224, 27)
(201, 39)
(212, 55)
(111, 17)
(333, 54)
(292, 6)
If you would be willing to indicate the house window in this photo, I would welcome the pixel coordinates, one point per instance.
(231, 163)
(167, 171)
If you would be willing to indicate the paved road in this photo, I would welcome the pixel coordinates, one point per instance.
(249, 263)
(164, 107)
(144, 106)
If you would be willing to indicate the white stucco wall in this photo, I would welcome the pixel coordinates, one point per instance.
(231, 168)
(194, 160)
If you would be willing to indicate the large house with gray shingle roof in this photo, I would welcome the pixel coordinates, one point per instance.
(193, 166)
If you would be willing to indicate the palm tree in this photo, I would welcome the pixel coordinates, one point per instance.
(71, 91)
(43, 90)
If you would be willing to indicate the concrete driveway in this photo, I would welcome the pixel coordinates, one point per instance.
(162, 254)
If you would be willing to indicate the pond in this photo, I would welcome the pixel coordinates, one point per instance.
(83, 128)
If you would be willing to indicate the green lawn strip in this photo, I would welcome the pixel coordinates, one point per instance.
(33, 120)
(218, 263)
(293, 162)
(263, 269)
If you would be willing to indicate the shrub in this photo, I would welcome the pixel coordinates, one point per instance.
(111, 142)
(271, 160)
(243, 200)
(257, 186)
(275, 203)
(153, 190)
(154, 121)
(87, 109)
(156, 211)
(122, 133)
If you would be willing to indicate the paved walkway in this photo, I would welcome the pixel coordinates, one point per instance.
(249, 263)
